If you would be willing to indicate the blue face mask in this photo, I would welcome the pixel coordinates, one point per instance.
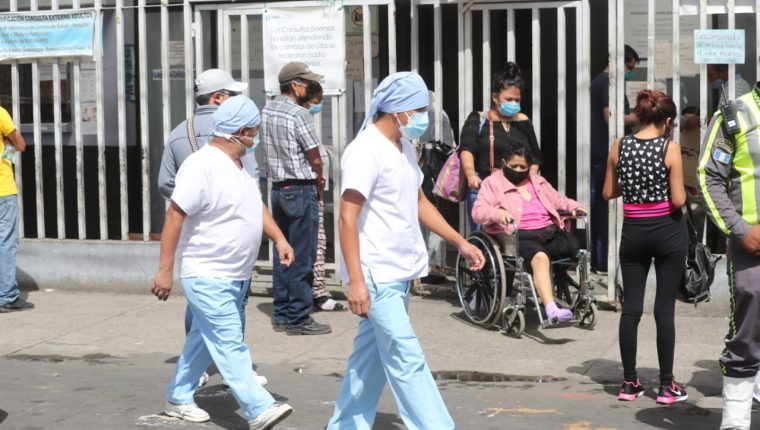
(509, 108)
(416, 126)
(628, 75)
(315, 109)
(256, 142)
(716, 84)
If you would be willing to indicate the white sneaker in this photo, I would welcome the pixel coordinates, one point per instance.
(737, 403)
(204, 380)
(270, 417)
(261, 379)
(188, 412)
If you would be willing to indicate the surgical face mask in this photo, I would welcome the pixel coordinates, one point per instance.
(716, 84)
(235, 140)
(628, 75)
(315, 109)
(515, 176)
(509, 108)
(416, 125)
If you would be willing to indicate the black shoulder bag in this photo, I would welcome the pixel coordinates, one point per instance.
(699, 269)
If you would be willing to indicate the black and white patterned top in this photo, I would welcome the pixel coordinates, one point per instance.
(641, 170)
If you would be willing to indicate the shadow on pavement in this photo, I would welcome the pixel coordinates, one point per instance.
(681, 416)
(388, 421)
(609, 374)
(267, 308)
(223, 408)
(709, 381)
(3, 415)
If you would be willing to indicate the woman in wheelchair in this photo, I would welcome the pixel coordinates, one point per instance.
(517, 198)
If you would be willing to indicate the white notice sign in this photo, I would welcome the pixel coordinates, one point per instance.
(315, 36)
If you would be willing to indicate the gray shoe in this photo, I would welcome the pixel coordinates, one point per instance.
(270, 417)
(17, 305)
(309, 327)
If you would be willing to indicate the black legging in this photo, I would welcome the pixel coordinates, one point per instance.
(663, 239)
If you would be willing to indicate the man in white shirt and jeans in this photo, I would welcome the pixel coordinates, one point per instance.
(215, 224)
(380, 213)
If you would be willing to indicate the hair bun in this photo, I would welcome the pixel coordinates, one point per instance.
(512, 70)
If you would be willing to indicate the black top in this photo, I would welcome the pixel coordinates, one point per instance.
(600, 99)
(642, 171)
(520, 134)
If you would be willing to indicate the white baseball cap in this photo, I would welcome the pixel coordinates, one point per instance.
(213, 80)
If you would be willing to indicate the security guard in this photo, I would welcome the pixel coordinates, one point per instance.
(729, 184)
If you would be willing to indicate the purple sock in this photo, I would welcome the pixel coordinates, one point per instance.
(562, 315)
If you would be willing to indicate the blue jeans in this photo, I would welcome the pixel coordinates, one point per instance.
(472, 195)
(386, 349)
(296, 212)
(8, 248)
(216, 334)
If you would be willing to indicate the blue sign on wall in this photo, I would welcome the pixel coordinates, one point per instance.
(42, 34)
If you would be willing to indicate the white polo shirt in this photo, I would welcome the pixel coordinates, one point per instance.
(222, 232)
(390, 242)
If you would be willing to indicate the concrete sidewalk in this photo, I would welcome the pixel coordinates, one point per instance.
(89, 360)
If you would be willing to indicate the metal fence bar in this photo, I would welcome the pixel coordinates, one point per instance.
(367, 39)
(187, 31)
(121, 111)
(536, 65)
(561, 102)
(702, 74)
(468, 87)
(511, 35)
(757, 39)
(414, 16)
(486, 27)
(582, 43)
(144, 121)
(731, 67)
(391, 37)
(438, 69)
(165, 84)
(198, 29)
(227, 42)
(37, 120)
(461, 69)
(338, 144)
(245, 72)
(58, 139)
(103, 209)
(676, 64)
(16, 112)
(651, 13)
(79, 144)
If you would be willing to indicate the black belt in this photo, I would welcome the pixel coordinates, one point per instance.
(289, 182)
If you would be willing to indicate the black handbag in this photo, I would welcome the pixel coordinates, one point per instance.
(699, 269)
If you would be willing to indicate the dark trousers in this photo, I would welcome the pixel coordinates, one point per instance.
(295, 210)
(599, 215)
(741, 356)
(663, 239)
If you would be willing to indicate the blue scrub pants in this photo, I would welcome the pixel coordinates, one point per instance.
(217, 335)
(386, 349)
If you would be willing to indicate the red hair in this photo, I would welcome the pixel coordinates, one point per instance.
(654, 107)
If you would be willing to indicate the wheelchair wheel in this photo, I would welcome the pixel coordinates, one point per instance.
(587, 315)
(513, 322)
(482, 292)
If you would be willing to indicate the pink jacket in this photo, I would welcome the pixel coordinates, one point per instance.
(497, 192)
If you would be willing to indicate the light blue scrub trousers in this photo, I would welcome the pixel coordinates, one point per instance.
(217, 334)
(386, 349)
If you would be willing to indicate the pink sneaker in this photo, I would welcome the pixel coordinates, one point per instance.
(630, 391)
(670, 394)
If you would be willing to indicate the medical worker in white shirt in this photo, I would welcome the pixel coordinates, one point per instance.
(215, 223)
(380, 213)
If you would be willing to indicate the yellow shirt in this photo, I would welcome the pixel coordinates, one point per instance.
(7, 182)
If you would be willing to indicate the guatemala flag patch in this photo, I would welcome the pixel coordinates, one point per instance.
(721, 157)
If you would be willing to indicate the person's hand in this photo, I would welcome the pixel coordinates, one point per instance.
(580, 210)
(751, 243)
(162, 285)
(358, 298)
(285, 252)
(472, 254)
(503, 216)
(473, 181)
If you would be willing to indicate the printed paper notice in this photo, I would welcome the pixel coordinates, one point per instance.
(719, 46)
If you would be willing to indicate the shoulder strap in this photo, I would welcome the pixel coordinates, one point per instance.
(483, 117)
(490, 146)
(191, 133)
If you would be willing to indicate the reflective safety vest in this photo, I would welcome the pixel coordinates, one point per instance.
(729, 169)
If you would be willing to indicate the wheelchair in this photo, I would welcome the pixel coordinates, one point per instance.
(500, 291)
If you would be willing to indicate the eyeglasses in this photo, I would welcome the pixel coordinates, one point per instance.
(229, 93)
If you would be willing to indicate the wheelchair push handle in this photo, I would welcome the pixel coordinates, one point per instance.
(569, 214)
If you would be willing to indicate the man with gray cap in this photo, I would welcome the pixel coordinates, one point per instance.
(212, 87)
(295, 166)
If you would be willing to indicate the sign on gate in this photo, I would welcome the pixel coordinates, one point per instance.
(41, 34)
(315, 36)
(719, 46)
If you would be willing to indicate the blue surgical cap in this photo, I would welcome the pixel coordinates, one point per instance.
(399, 92)
(235, 113)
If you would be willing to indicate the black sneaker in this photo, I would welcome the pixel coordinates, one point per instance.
(17, 305)
(309, 327)
(670, 394)
(630, 391)
(279, 327)
(433, 279)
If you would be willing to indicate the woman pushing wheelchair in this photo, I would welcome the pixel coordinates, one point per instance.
(517, 198)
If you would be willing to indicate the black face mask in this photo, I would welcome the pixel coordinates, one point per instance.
(515, 176)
